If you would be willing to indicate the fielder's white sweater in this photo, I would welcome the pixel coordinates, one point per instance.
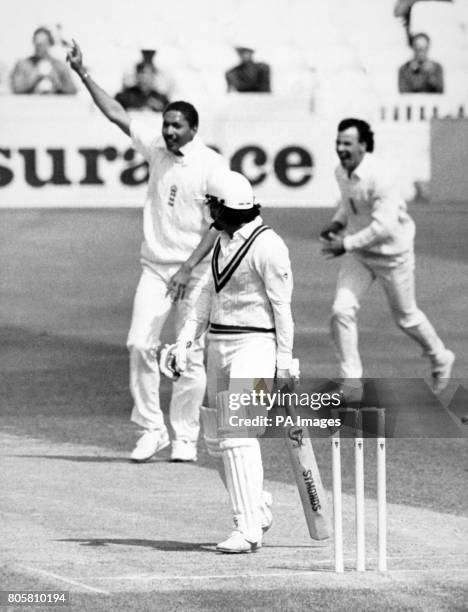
(372, 209)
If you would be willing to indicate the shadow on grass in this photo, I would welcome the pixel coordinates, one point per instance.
(166, 545)
(80, 458)
(98, 459)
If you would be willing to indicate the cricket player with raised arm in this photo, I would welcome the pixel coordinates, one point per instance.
(374, 233)
(245, 302)
(174, 254)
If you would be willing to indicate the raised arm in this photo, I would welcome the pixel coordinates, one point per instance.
(110, 107)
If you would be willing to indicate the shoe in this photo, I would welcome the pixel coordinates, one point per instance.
(267, 516)
(441, 372)
(183, 451)
(237, 544)
(151, 442)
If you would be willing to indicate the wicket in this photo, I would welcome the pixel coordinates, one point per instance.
(359, 492)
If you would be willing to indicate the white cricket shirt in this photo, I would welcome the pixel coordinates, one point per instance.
(175, 217)
(372, 209)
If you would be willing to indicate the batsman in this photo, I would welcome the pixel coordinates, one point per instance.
(245, 303)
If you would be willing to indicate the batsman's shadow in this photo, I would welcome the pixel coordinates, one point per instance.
(312, 567)
(314, 545)
(90, 458)
(164, 545)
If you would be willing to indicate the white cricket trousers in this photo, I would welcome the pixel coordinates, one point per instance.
(235, 363)
(151, 308)
(396, 275)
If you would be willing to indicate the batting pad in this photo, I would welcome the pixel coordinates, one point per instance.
(233, 416)
(209, 420)
(244, 481)
(224, 412)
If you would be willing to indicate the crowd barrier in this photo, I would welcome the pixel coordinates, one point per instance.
(414, 107)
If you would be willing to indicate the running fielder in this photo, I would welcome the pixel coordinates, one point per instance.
(246, 304)
(177, 241)
(373, 232)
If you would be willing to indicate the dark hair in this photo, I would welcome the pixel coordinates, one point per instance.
(235, 217)
(366, 135)
(46, 31)
(142, 65)
(188, 111)
(413, 37)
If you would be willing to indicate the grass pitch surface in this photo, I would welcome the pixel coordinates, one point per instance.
(75, 508)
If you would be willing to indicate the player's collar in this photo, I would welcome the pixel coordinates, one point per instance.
(221, 277)
(245, 231)
(188, 150)
(364, 168)
(191, 146)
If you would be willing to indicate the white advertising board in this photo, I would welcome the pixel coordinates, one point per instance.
(62, 152)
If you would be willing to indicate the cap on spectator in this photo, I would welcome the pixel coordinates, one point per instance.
(244, 47)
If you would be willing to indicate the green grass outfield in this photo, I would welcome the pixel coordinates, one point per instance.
(67, 280)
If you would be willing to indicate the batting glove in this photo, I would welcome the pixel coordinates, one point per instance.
(294, 370)
(173, 359)
(289, 378)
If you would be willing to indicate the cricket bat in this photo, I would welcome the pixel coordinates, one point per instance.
(307, 475)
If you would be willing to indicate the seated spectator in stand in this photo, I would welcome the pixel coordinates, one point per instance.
(143, 95)
(163, 83)
(42, 73)
(421, 75)
(248, 76)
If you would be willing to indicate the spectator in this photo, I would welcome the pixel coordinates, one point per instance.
(161, 81)
(248, 76)
(143, 95)
(421, 75)
(42, 73)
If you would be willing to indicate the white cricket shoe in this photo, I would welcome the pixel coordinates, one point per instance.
(151, 442)
(183, 451)
(441, 372)
(237, 544)
(265, 510)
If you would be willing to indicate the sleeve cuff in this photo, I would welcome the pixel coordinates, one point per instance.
(188, 332)
(284, 361)
(348, 243)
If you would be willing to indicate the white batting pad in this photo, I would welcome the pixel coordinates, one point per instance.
(237, 419)
(209, 420)
(244, 478)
